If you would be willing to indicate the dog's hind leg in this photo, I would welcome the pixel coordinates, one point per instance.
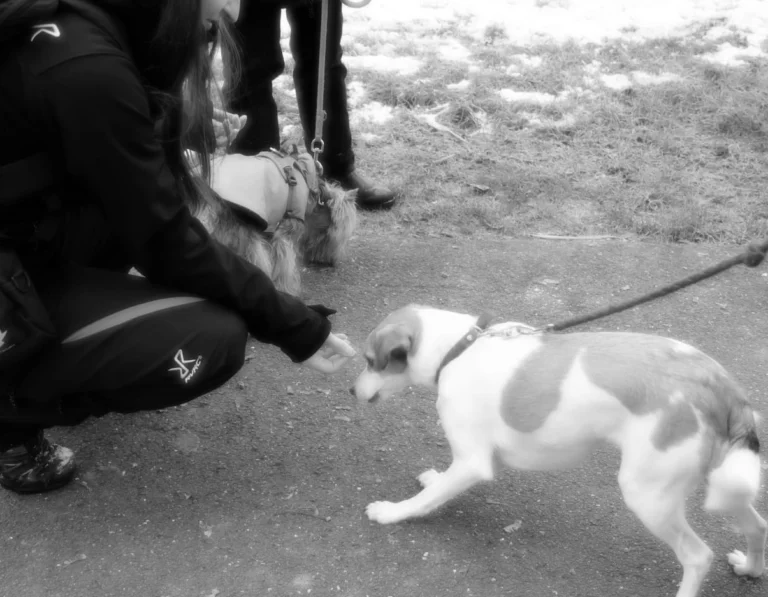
(655, 490)
(754, 528)
(733, 488)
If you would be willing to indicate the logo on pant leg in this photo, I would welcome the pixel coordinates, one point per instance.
(51, 29)
(186, 368)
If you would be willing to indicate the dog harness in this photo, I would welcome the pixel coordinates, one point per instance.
(465, 342)
(268, 187)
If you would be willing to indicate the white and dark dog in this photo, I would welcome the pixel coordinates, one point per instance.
(541, 401)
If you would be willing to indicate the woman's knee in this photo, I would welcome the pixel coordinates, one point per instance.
(211, 357)
(237, 337)
(228, 333)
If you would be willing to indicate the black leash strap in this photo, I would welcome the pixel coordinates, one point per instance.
(752, 257)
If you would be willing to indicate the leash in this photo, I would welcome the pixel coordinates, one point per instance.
(317, 145)
(752, 257)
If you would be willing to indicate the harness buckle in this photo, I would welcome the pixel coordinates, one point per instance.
(289, 177)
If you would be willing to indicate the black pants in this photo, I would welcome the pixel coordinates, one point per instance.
(258, 30)
(126, 345)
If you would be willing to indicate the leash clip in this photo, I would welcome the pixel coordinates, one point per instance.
(317, 148)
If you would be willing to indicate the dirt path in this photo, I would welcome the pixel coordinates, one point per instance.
(259, 488)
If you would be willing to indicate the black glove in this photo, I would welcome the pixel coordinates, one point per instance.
(323, 310)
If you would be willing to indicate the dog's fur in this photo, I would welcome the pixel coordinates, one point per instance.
(541, 401)
(321, 238)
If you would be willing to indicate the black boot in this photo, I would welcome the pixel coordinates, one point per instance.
(36, 466)
(369, 194)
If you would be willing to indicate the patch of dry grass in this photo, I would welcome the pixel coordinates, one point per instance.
(684, 159)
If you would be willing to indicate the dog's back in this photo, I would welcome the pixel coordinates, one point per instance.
(565, 388)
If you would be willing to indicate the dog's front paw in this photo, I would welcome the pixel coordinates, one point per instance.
(428, 477)
(384, 512)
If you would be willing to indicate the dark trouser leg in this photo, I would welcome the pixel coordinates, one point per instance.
(258, 37)
(126, 346)
(338, 158)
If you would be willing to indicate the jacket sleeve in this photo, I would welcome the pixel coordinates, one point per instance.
(101, 114)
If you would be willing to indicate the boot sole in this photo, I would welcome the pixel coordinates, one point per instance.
(56, 484)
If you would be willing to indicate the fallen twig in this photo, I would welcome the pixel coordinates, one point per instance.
(431, 120)
(444, 159)
(79, 558)
(558, 237)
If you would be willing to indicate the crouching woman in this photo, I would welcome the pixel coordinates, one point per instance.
(93, 182)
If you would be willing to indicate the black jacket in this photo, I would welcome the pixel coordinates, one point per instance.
(76, 92)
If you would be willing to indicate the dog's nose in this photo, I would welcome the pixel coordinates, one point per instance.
(352, 391)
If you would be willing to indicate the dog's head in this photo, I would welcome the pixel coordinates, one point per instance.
(330, 206)
(331, 219)
(388, 352)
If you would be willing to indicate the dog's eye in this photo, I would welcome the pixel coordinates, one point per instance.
(369, 361)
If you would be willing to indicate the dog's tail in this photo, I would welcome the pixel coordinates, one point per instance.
(735, 481)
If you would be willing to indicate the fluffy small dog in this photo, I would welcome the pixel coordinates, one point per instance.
(274, 210)
(541, 401)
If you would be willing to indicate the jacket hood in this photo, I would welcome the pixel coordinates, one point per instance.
(158, 61)
(139, 18)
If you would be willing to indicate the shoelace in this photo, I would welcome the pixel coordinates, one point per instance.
(39, 448)
(46, 450)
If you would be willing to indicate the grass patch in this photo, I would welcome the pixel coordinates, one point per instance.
(647, 139)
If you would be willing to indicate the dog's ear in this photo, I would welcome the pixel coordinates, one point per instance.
(391, 346)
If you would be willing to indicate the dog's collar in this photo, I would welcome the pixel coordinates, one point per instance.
(465, 342)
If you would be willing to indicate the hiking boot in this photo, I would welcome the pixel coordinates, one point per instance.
(369, 194)
(36, 466)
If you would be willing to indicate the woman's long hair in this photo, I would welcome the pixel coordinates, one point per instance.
(174, 55)
(182, 87)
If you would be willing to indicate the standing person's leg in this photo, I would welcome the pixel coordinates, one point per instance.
(257, 33)
(126, 346)
(337, 158)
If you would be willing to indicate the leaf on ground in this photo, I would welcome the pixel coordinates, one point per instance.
(79, 558)
(513, 527)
